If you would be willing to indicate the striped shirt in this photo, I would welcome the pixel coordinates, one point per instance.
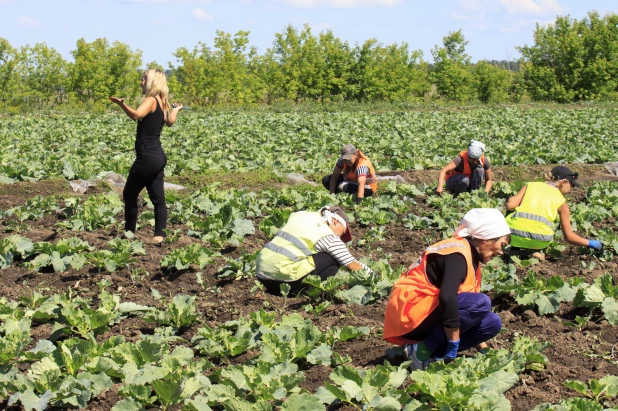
(333, 245)
(360, 171)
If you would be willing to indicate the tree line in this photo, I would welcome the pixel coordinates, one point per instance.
(570, 60)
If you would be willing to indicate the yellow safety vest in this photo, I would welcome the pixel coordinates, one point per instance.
(532, 223)
(287, 256)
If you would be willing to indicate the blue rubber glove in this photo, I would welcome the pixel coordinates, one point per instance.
(596, 244)
(451, 351)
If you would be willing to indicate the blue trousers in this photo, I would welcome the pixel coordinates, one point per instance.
(477, 324)
(459, 183)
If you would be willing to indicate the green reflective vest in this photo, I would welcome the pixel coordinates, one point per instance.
(287, 256)
(532, 223)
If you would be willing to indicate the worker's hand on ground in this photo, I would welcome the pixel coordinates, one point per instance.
(439, 191)
(451, 351)
(596, 244)
(482, 348)
(355, 265)
(358, 200)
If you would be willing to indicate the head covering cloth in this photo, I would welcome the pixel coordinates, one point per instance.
(336, 213)
(476, 149)
(482, 223)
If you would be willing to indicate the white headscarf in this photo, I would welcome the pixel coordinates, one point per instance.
(482, 223)
(476, 149)
(328, 216)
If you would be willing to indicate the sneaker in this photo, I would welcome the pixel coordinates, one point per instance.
(409, 351)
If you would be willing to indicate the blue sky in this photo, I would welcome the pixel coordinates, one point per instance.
(159, 27)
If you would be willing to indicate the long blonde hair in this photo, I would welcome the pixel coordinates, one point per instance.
(156, 85)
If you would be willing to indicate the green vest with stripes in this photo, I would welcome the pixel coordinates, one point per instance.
(532, 223)
(287, 256)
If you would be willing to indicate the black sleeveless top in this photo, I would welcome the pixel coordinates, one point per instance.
(148, 138)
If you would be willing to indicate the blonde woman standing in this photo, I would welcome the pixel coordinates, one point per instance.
(150, 160)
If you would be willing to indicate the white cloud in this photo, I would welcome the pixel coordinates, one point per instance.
(342, 4)
(27, 22)
(201, 15)
(161, 1)
(479, 5)
(516, 26)
(467, 17)
(321, 27)
(532, 6)
(471, 4)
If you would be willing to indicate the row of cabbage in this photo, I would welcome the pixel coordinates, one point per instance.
(224, 217)
(72, 366)
(269, 210)
(37, 148)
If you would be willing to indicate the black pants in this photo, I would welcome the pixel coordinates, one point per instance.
(325, 266)
(521, 253)
(350, 188)
(147, 171)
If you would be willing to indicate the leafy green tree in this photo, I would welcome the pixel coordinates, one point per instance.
(229, 73)
(451, 74)
(339, 67)
(517, 87)
(492, 83)
(573, 60)
(44, 73)
(191, 76)
(9, 78)
(234, 74)
(268, 70)
(101, 70)
(389, 73)
(301, 63)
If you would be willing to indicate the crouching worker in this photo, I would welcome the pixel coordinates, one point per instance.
(310, 243)
(536, 207)
(353, 174)
(467, 171)
(435, 308)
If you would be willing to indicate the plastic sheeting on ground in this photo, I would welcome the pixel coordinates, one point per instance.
(115, 181)
(612, 167)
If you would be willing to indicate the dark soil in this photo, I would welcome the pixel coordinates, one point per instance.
(573, 354)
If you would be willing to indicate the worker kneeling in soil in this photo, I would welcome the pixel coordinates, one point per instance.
(536, 207)
(353, 174)
(310, 243)
(467, 171)
(435, 309)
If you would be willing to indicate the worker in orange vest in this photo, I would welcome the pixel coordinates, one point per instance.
(435, 309)
(467, 171)
(353, 174)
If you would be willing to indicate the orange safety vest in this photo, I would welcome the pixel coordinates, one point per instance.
(466, 163)
(349, 173)
(413, 297)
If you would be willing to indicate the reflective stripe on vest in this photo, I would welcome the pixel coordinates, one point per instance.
(532, 236)
(296, 241)
(532, 224)
(529, 216)
(287, 257)
(413, 296)
(283, 251)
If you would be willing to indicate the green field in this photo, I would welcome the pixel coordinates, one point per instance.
(92, 321)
